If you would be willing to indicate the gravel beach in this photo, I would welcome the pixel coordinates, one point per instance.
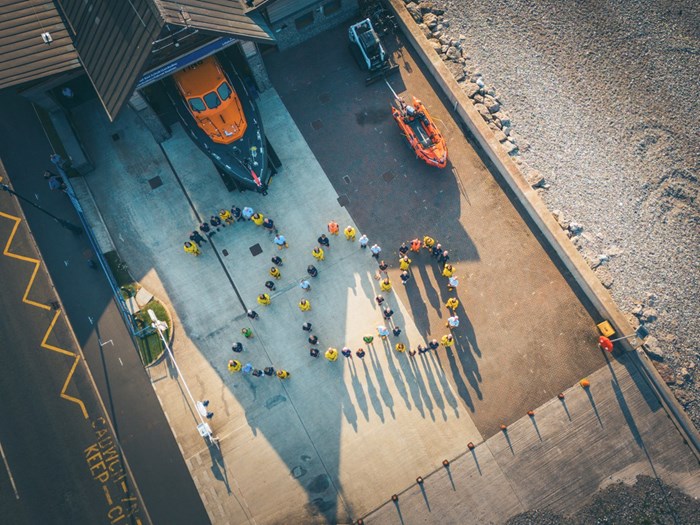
(603, 104)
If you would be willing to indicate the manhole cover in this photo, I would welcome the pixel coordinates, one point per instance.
(255, 250)
(317, 124)
(324, 98)
(388, 176)
(115, 137)
(346, 179)
(224, 252)
(343, 200)
(155, 182)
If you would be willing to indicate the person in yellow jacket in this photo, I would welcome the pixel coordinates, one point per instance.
(400, 348)
(234, 366)
(452, 303)
(428, 243)
(192, 248)
(226, 216)
(349, 233)
(275, 272)
(264, 299)
(318, 253)
(304, 305)
(258, 219)
(283, 374)
(331, 354)
(447, 271)
(404, 263)
(385, 285)
(447, 340)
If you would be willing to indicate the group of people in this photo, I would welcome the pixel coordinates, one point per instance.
(223, 218)
(332, 354)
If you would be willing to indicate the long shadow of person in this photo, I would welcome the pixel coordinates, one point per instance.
(372, 393)
(395, 374)
(446, 387)
(462, 389)
(431, 293)
(360, 396)
(383, 387)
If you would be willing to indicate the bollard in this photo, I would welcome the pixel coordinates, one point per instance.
(471, 446)
(585, 383)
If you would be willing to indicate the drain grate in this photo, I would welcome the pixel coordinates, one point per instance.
(317, 124)
(346, 179)
(256, 250)
(343, 200)
(224, 252)
(155, 182)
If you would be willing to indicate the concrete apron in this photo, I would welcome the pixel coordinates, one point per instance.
(336, 439)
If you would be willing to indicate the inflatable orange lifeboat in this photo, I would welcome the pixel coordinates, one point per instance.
(423, 136)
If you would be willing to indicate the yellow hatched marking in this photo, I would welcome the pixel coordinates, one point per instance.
(25, 299)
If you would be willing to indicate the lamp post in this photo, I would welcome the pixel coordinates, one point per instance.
(67, 225)
(203, 427)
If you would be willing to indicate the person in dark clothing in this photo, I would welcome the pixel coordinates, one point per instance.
(205, 228)
(387, 313)
(270, 285)
(312, 271)
(434, 344)
(215, 222)
(277, 260)
(379, 299)
(436, 251)
(313, 352)
(196, 237)
(405, 276)
(444, 257)
(237, 347)
(269, 225)
(403, 249)
(396, 331)
(236, 213)
(252, 314)
(323, 241)
(269, 371)
(306, 327)
(313, 340)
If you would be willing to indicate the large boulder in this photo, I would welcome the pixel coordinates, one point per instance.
(430, 20)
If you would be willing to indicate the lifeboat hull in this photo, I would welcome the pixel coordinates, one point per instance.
(243, 161)
(422, 135)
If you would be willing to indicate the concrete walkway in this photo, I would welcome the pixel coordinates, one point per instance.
(611, 432)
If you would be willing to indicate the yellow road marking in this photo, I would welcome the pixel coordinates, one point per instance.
(25, 299)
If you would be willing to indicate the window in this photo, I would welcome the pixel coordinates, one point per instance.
(224, 91)
(196, 104)
(332, 7)
(304, 21)
(212, 100)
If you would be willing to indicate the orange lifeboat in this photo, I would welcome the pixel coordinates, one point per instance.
(212, 101)
(417, 126)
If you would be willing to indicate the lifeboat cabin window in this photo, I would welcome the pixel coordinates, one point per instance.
(224, 91)
(212, 100)
(196, 104)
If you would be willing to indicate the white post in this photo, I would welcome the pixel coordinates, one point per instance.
(203, 428)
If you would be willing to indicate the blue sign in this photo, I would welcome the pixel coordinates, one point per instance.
(185, 60)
